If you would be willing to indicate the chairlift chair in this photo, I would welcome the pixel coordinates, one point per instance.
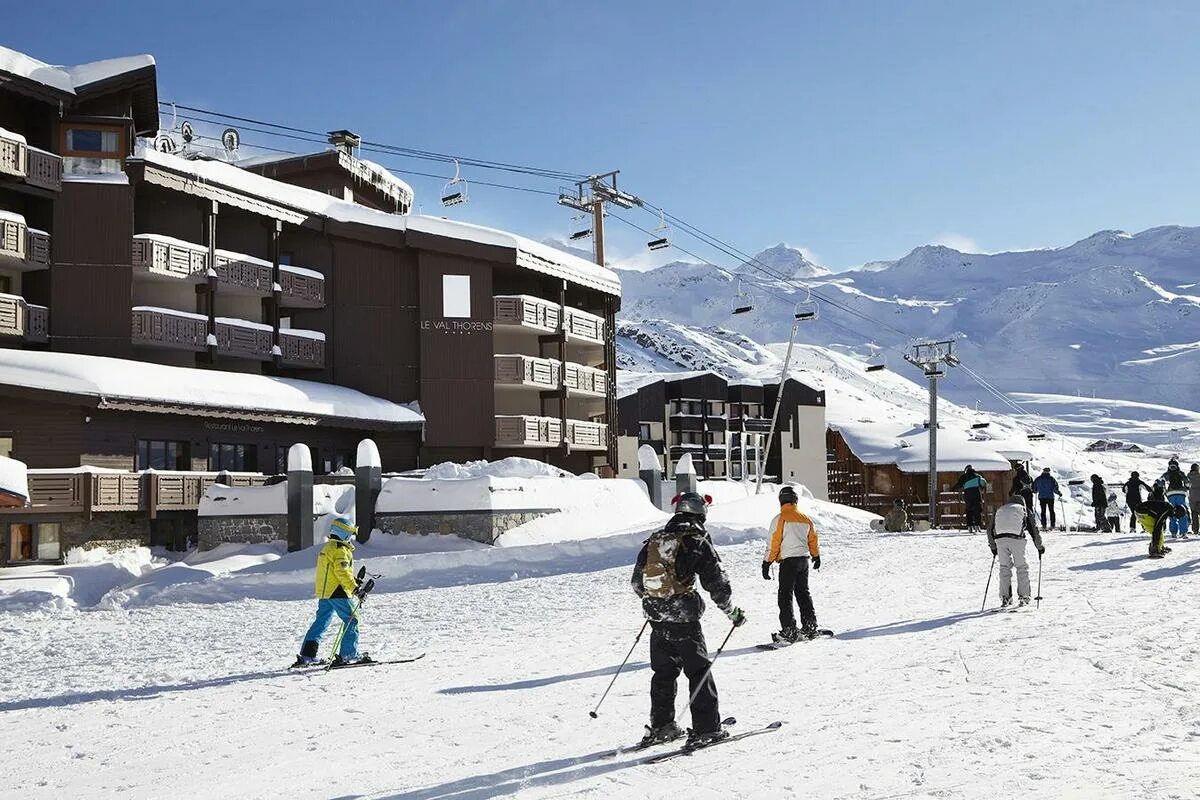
(743, 303)
(807, 310)
(580, 233)
(876, 362)
(455, 191)
(661, 234)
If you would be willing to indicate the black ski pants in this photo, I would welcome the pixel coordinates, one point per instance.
(793, 582)
(974, 500)
(676, 646)
(1047, 503)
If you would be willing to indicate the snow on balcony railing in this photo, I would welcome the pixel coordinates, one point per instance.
(302, 348)
(13, 154)
(44, 170)
(13, 236)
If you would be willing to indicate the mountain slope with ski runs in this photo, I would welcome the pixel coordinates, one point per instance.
(1115, 315)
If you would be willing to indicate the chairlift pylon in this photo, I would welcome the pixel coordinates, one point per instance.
(455, 190)
(743, 302)
(662, 233)
(807, 310)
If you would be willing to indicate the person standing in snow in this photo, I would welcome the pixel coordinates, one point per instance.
(1133, 496)
(973, 486)
(1100, 504)
(791, 540)
(1006, 539)
(1175, 484)
(337, 591)
(1047, 491)
(1114, 512)
(1194, 496)
(664, 577)
(1023, 485)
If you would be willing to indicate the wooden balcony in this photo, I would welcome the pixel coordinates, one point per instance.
(528, 431)
(525, 311)
(582, 325)
(241, 338)
(242, 274)
(44, 170)
(300, 287)
(23, 320)
(304, 349)
(587, 435)
(92, 492)
(165, 327)
(14, 154)
(586, 380)
(37, 249)
(518, 370)
(14, 239)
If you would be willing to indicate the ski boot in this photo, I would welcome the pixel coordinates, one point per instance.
(698, 739)
(306, 661)
(338, 661)
(660, 735)
(1005, 602)
(809, 632)
(789, 635)
(1023, 602)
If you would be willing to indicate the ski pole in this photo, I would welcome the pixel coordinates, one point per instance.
(707, 673)
(1039, 594)
(337, 643)
(991, 569)
(595, 712)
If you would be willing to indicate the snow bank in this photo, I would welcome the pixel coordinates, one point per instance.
(401, 495)
(14, 482)
(81, 582)
(512, 467)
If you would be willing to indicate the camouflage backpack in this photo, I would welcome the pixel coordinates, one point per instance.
(659, 577)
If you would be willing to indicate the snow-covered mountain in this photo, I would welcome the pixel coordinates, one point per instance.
(1113, 315)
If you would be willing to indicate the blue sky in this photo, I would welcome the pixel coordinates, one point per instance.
(857, 130)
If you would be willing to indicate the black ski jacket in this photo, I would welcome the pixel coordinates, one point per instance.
(696, 558)
(1099, 495)
(1133, 492)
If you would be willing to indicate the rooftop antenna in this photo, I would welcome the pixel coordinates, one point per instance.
(455, 191)
(661, 233)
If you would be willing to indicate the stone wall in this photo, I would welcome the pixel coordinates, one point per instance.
(112, 530)
(479, 526)
(213, 531)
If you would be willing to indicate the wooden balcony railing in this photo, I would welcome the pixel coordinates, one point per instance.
(165, 327)
(244, 273)
(37, 249)
(582, 325)
(13, 154)
(525, 311)
(305, 349)
(92, 492)
(301, 288)
(587, 435)
(43, 170)
(241, 338)
(26, 320)
(528, 431)
(14, 237)
(162, 255)
(588, 380)
(518, 370)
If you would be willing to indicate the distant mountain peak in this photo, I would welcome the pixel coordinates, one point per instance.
(790, 262)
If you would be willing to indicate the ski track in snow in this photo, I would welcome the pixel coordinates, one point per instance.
(920, 696)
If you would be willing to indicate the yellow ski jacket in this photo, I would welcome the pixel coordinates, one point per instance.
(335, 573)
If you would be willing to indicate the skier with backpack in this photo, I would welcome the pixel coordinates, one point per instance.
(1006, 539)
(1100, 504)
(1023, 485)
(1133, 496)
(1175, 484)
(973, 486)
(792, 540)
(338, 593)
(1047, 491)
(664, 577)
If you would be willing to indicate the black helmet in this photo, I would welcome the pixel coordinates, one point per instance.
(1046, 471)
(691, 503)
(788, 495)
(1135, 474)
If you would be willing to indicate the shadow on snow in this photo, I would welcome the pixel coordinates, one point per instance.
(910, 626)
(135, 692)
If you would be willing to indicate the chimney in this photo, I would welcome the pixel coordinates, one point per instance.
(344, 141)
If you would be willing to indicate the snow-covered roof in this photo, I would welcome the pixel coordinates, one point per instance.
(377, 175)
(117, 382)
(68, 79)
(630, 382)
(908, 447)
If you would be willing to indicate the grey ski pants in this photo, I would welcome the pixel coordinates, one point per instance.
(1011, 553)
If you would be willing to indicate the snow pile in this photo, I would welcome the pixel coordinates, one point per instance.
(219, 500)
(81, 582)
(14, 482)
(512, 467)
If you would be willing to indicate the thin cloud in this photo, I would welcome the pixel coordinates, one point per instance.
(957, 241)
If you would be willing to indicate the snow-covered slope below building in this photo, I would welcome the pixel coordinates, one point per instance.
(1115, 314)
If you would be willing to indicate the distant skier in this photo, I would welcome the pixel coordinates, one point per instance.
(1115, 511)
(791, 540)
(665, 578)
(1006, 539)
(1100, 504)
(337, 593)
(1175, 482)
(1133, 496)
(1047, 491)
(973, 486)
(1154, 516)
(1194, 496)
(1023, 485)
(896, 520)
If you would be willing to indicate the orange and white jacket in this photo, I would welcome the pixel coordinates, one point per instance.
(792, 534)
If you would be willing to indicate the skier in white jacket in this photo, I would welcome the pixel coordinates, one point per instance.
(791, 541)
(1006, 538)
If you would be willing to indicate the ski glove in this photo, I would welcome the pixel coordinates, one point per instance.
(766, 570)
(1041, 550)
(736, 616)
(816, 562)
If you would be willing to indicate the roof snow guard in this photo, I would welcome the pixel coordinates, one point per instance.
(122, 385)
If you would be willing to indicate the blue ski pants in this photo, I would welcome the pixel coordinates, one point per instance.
(1179, 524)
(326, 609)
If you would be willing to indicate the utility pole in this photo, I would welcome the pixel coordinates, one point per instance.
(590, 195)
(930, 356)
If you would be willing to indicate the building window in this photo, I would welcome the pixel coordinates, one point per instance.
(93, 150)
(285, 323)
(20, 542)
(49, 541)
(232, 457)
(30, 541)
(644, 432)
(285, 258)
(456, 296)
(333, 460)
(163, 455)
(6, 284)
(6, 444)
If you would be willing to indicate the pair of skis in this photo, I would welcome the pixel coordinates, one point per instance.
(686, 749)
(324, 665)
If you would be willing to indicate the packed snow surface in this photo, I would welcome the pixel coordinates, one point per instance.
(920, 695)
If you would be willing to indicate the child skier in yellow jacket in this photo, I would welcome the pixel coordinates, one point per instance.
(791, 540)
(336, 590)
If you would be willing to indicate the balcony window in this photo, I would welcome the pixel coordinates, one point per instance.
(232, 458)
(93, 150)
(162, 455)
